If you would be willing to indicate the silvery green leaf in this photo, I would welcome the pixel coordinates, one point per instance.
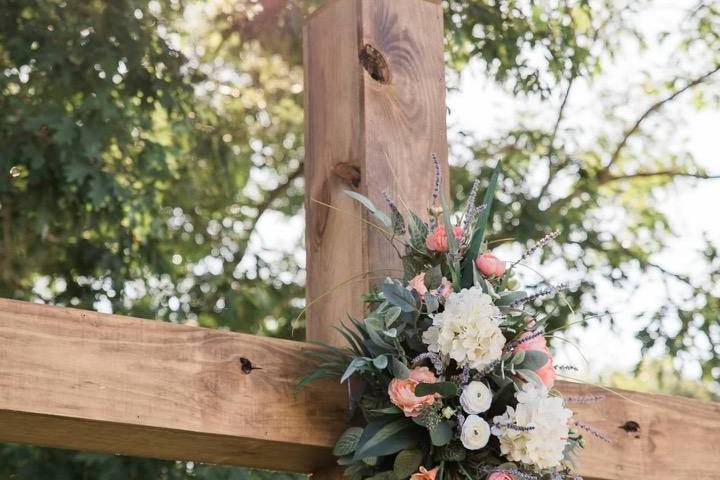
(355, 364)
(518, 358)
(399, 296)
(533, 360)
(431, 302)
(441, 434)
(391, 332)
(399, 370)
(433, 278)
(382, 216)
(392, 315)
(446, 389)
(530, 376)
(510, 297)
(380, 362)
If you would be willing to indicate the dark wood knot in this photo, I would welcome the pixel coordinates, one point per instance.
(246, 366)
(631, 426)
(374, 63)
(348, 172)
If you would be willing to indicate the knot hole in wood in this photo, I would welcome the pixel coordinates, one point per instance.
(374, 63)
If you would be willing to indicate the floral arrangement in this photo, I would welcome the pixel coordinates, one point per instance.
(450, 376)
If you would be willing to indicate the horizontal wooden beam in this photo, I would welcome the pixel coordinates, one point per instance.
(76, 379)
(106, 383)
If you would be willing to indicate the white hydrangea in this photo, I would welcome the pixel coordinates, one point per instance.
(467, 330)
(545, 443)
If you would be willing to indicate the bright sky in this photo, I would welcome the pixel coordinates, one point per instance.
(482, 107)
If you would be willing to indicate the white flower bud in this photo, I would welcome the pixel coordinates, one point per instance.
(475, 433)
(476, 398)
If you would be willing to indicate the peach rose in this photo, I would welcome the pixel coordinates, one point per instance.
(547, 371)
(500, 475)
(437, 241)
(489, 265)
(418, 284)
(402, 391)
(424, 474)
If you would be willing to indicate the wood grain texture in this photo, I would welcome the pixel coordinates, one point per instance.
(679, 438)
(106, 383)
(370, 130)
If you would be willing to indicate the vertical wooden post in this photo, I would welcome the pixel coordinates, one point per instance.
(374, 114)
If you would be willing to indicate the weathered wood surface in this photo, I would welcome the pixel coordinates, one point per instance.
(374, 113)
(106, 383)
(678, 438)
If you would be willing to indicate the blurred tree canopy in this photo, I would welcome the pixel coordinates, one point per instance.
(143, 142)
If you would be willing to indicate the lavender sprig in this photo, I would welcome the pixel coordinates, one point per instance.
(592, 431)
(398, 222)
(513, 345)
(552, 290)
(584, 398)
(487, 370)
(514, 426)
(540, 244)
(438, 178)
(434, 358)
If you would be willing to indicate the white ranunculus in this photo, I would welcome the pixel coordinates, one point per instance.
(544, 444)
(475, 433)
(467, 330)
(476, 398)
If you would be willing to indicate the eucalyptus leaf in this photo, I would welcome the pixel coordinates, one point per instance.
(441, 434)
(518, 358)
(399, 296)
(380, 362)
(399, 370)
(384, 438)
(446, 389)
(509, 298)
(530, 376)
(354, 365)
(534, 360)
(433, 277)
(391, 315)
(431, 302)
(380, 215)
(393, 410)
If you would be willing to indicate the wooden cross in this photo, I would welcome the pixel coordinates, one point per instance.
(375, 111)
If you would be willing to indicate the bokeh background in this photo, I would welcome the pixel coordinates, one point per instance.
(151, 157)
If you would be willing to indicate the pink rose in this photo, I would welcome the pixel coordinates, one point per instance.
(489, 265)
(547, 371)
(402, 391)
(437, 241)
(500, 475)
(424, 474)
(418, 284)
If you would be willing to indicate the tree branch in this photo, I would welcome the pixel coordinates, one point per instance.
(665, 173)
(552, 170)
(267, 202)
(653, 108)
